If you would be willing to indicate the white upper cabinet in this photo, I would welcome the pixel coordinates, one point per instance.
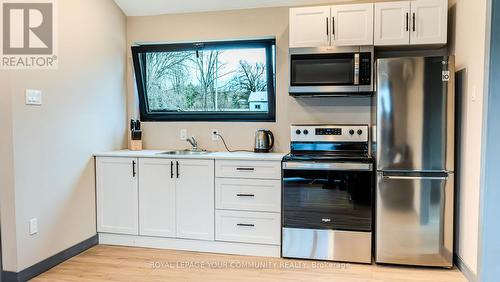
(429, 20)
(117, 195)
(195, 199)
(310, 27)
(392, 23)
(416, 22)
(157, 197)
(352, 24)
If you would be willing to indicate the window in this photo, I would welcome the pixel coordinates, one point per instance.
(211, 81)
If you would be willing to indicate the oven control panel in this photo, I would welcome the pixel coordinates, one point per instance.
(329, 133)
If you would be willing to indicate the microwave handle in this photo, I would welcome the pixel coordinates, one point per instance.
(356, 69)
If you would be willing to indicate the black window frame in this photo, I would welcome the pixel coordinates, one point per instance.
(139, 54)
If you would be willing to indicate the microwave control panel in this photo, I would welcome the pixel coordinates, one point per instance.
(365, 68)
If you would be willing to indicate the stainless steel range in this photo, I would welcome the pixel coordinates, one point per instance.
(327, 194)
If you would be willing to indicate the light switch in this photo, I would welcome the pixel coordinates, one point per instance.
(33, 97)
(33, 226)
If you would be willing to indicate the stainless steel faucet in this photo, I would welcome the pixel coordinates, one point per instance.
(193, 142)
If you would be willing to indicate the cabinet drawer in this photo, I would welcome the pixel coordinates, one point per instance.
(247, 227)
(248, 169)
(248, 194)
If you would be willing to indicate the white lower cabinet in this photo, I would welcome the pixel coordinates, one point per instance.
(248, 202)
(248, 194)
(117, 195)
(227, 206)
(248, 227)
(195, 199)
(157, 197)
(248, 169)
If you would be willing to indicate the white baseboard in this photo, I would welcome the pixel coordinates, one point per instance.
(190, 245)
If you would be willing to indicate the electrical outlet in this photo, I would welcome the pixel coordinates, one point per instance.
(214, 132)
(33, 226)
(184, 134)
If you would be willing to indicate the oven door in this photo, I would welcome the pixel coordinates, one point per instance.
(328, 196)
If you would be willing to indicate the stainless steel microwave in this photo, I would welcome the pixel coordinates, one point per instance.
(331, 72)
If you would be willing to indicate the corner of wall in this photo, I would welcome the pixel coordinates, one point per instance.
(7, 191)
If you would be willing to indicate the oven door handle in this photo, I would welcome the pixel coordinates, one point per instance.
(327, 166)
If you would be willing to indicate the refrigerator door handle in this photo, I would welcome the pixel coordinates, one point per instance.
(416, 177)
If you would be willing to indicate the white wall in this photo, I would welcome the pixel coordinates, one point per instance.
(7, 197)
(83, 112)
(468, 37)
(238, 24)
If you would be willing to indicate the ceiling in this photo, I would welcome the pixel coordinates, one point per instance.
(157, 7)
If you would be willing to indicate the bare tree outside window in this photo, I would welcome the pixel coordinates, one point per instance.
(208, 80)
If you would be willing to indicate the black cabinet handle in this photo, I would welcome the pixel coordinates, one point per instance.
(333, 26)
(245, 168)
(407, 22)
(327, 26)
(245, 224)
(171, 169)
(133, 169)
(245, 195)
(414, 28)
(177, 168)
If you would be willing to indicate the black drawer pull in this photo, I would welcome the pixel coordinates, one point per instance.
(245, 224)
(245, 168)
(245, 195)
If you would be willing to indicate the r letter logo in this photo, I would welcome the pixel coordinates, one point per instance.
(28, 34)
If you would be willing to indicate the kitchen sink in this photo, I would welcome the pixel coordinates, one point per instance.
(185, 152)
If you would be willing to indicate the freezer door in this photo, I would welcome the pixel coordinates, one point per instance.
(415, 113)
(414, 219)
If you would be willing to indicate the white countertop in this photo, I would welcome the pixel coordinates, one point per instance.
(212, 155)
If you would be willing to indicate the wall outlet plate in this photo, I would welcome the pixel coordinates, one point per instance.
(214, 135)
(183, 134)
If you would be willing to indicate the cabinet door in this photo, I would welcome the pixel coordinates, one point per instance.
(117, 195)
(392, 23)
(310, 27)
(157, 197)
(429, 19)
(415, 219)
(352, 24)
(195, 199)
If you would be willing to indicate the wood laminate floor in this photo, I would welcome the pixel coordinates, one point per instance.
(110, 263)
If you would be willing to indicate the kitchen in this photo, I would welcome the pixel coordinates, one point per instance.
(112, 112)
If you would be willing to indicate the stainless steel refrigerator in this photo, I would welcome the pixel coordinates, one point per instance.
(415, 161)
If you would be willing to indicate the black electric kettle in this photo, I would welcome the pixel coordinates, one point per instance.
(264, 141)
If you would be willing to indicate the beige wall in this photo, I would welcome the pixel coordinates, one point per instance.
(7, 195)
(239, 24)
(468, 36)
(83, 112)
